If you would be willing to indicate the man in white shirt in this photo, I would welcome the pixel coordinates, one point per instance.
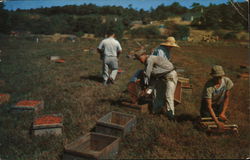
(109, 50)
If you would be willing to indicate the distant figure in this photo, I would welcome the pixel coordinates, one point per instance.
(164, 49)
(37, 40)
(215, 98)
(109, 50)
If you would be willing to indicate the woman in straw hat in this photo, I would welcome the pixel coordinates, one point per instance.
(215, 99)
(164, 49)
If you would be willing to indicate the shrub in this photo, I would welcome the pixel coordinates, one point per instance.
(147, 32)
(219, 33)
(230, 35)
(181, 32)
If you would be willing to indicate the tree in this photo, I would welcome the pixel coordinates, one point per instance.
(5, 22)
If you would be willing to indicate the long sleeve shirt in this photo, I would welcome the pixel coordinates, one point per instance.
(156, 65)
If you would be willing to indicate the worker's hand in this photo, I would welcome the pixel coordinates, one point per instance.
(143, 93)
(138, 81)
(220, 125)
(223, 117)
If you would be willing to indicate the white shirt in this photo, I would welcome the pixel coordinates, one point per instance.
(110, 46)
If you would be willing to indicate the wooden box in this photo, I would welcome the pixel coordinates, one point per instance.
(183, 80)
(29, 105)
(177, 93)
(245, 75)
(116, 124)
(144, 108)
(209, 125)
(4, 98)
(48, 124)
(92, 146)
(187, 88)
(54, 58)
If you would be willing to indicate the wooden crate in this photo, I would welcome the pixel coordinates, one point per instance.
(244, 75)
(48, 124)
(177, 93)
(116, 124)
(187, 88)
(92, 146)
(183, 80)
(209, 126)
(29, 105)
(4, 98)
(54, 58)
(144, 108)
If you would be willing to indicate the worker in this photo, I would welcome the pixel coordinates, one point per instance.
(109, 50)
(215, 99)
(158, 92)
(157, 67)
(164, 49)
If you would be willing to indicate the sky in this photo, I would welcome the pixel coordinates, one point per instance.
(137, 4)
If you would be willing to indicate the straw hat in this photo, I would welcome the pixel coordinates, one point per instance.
(217, 71)
(170, 42)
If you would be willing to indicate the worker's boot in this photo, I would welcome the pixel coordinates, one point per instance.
(104, 83)
(111, 81)
(170, 115)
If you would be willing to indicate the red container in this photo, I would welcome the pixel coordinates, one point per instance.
(31, 105)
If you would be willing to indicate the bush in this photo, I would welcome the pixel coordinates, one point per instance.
(230, 35)
(181, 32)
(219, 33)
(147, 32)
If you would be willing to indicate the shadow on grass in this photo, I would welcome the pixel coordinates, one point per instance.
(92, 78)
(113, 102)
(186, 117)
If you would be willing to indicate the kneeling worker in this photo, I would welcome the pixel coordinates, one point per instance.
(157, 67)
(215, 98)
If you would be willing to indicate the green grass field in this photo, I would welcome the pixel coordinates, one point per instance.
(73, 89)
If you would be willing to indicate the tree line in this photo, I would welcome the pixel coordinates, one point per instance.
(89, 18)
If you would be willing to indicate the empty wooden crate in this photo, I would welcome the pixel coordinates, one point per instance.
(48, 124)
(92, 146)
(116, 124)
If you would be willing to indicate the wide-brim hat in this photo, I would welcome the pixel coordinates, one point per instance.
(217, 71)
(170, 42)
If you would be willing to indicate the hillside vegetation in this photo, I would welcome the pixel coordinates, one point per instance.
(96, 20)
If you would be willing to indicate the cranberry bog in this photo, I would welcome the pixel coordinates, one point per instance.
(74, 89)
